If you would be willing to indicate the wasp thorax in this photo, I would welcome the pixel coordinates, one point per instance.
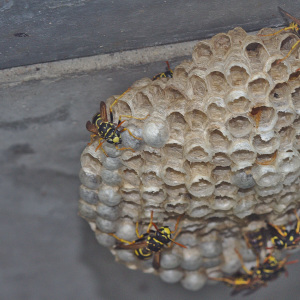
(163, 234)
(115, 138)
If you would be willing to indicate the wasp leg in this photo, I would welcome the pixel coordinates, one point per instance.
(242, 262)
(124, 129)
(289, 53)
(100, 146)
(282, 233)
(176, 226)
(121, 240)
(298, 222)
(231, 281)
(292, 26)
(116, 100)
(150, 223)
(124, 148)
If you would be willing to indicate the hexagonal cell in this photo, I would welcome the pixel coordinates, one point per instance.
(90, 164)
(287, 44)
(266, 159)
(131, 177)
(225, 189)
(238, 76)
(151, 157)
(154, 197)
(265, 146)
(221, 44)
(131, 196)
(177, 125)
(239, 126)
(201, 188)
(151, 179)
(202, 53)
(278, 72)
(196, 119)
(285, 119)
(178, 205)
(243, 157)
(141, 105)
(180, 74)
(296, 99)
(221, 159)
(256, 53)
(295, 76)
(198, 86)
(290, 163)
(279, 96)
(173, 150)
(195, 151)
(175, 191)
(237, 35)
(216, 112)
(239, 105)
(120, 108)
(135, 162)
(221, 174)
(172, 95)
(269, 178)
(259, 88)
(218, 141)
(173, 175)
(217, 82)
(264, 117)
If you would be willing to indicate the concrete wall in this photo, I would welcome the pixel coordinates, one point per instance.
(48, 30)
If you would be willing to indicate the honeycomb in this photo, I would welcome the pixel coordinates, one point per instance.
(221, 146)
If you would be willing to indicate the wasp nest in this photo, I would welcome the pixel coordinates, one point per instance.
(221, 146)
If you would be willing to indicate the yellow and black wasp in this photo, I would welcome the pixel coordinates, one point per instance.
(109, 131)
(167, 74)
(257, 276)
(282, 238)
(150, 243)
(294, 26)
(256, 239)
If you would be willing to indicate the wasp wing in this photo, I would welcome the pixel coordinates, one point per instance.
(91, 127)
(133, 246)
(289, 16)
(103, 112)
(156, 260)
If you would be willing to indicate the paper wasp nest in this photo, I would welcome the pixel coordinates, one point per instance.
(221, 146)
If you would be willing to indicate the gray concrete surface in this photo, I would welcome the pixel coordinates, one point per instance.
(47, 251)
(49, 30)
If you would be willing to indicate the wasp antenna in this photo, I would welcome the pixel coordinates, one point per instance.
(292, 262)
(178, 244)
(155, 226)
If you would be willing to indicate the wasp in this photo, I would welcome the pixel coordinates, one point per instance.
(256, 239)
(257, 276)
(109, 131)
(294, 26)
(282, 238)
(150, 243)
(167, 74)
